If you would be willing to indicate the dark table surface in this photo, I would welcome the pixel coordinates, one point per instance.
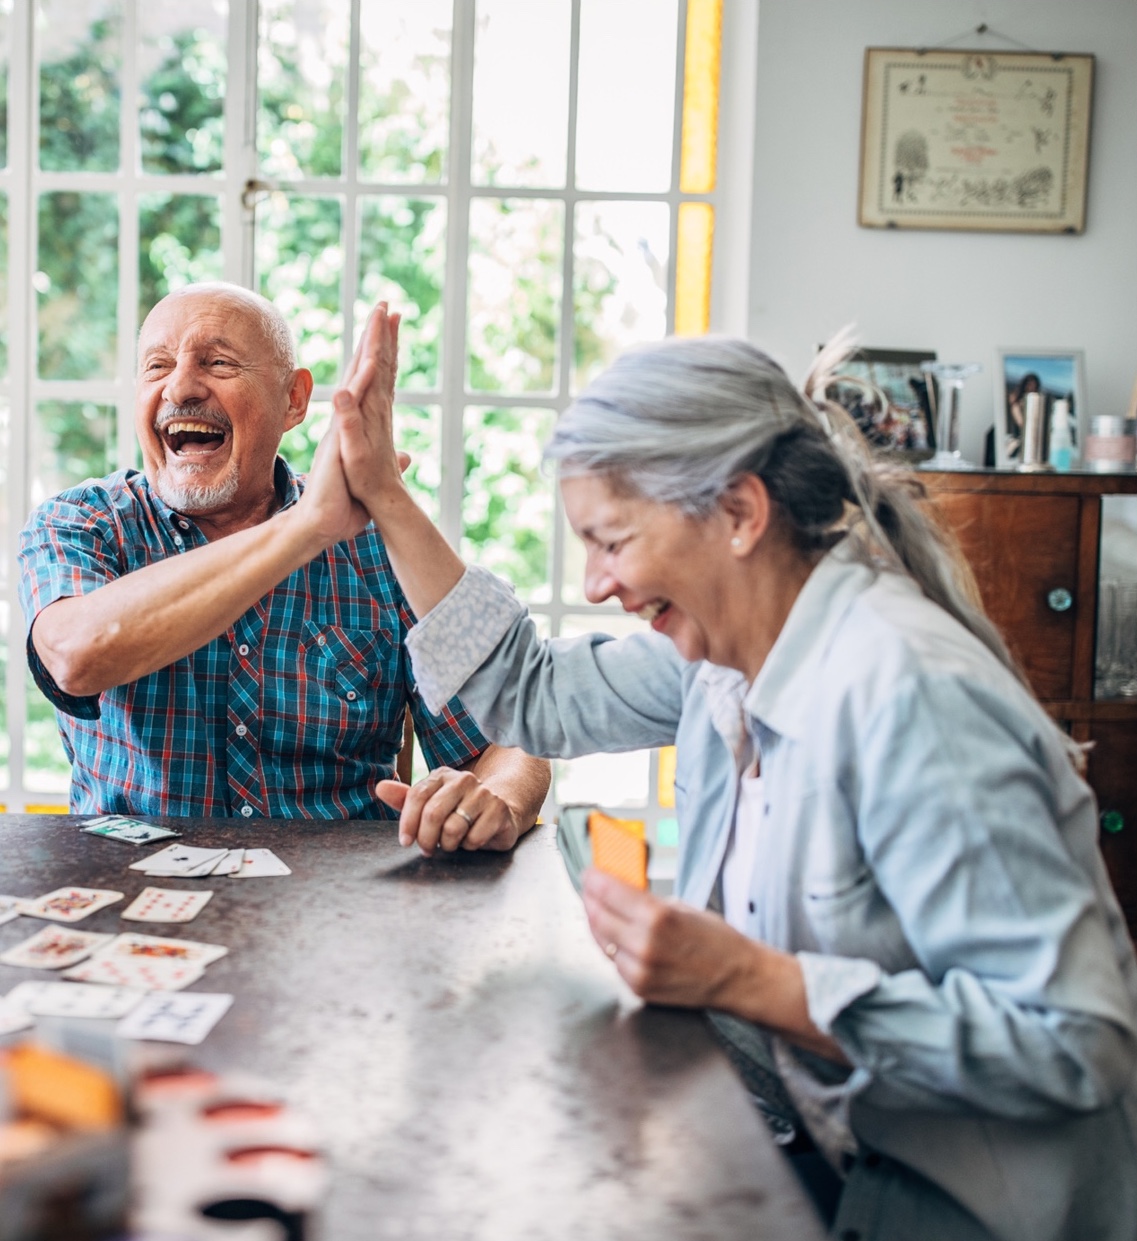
(474, 1062)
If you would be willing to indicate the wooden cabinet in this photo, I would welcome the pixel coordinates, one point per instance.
(1033, 543)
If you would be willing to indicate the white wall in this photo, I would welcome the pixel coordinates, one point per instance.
(962, 294)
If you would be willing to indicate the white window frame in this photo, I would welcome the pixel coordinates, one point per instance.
(23, 182)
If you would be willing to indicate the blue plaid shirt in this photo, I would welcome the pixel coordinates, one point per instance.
(294, 712)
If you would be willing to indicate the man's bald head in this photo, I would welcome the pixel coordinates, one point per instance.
(271, 321)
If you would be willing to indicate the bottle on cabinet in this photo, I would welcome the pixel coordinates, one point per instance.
(1060, 452)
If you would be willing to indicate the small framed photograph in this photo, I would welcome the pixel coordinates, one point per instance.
(885, 392)
(1056, 375)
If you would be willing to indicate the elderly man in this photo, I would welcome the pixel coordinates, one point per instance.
(220, 637)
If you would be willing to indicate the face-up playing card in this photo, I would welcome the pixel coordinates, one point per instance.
(72, 999)
(9, 908)
(69, 904)
(133, 946)
(54, 948)
(175, 1018)
(180, 860)
(258, 863)
(137, 973)
(166, 905)
(115, 827)
(230, 864)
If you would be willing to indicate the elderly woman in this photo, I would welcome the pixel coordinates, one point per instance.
(916, 922)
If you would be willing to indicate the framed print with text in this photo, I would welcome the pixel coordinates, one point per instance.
(997, 142)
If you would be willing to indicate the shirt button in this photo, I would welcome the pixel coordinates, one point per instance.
(350, 695)
(243, 649)
(178, 539)
(321, 641)
(247, 811)
(750, 906)
(184, 525)
(241, 730)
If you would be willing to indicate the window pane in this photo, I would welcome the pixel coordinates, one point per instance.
(702, 56)
(70, 441)
(179, 238)
(521, 54)
(404, 89)
(516, 248)
(298, 446)
(299, 261)
(626, 106)
(693, 268)
(80, 65)
(416, 432)
(301, 76)
(3, 286)
(182, 66)
(507, 510)
(620, 281)
(77, 283)
(46, 769)
(402, 257)
(5, 56)
(4, 420)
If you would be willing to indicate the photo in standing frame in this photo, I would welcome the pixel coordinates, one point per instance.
(885, 392)
(1056, 375)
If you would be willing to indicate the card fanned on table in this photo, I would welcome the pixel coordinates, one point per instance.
(134, 832)
(588, 837)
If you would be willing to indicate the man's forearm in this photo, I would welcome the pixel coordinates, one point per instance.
(148, 619)
(519, 780)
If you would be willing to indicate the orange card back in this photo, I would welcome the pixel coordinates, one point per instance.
(618, 849)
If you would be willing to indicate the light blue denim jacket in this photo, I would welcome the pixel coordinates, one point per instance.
(928, 852)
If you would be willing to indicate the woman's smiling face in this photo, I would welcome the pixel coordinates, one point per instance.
(673, 570)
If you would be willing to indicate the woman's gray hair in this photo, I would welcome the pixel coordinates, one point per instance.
(679, 421)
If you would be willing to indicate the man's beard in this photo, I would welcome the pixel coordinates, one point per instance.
(185, 498)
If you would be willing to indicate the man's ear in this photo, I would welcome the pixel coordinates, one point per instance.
(299, 394)
(749, 510)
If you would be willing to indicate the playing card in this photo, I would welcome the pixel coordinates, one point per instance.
(175, 1018)
(54, 948)
(180, 861)
(137, 973)
(260, 862)
(115, 827)
(618, 850)
(9, 908)
(72, 999)
(131, 945)
(69, 904)
(166, 905)
(230, 862)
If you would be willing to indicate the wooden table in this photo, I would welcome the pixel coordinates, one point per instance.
(477, 1067)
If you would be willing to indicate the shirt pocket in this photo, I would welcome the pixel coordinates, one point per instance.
(359, 667)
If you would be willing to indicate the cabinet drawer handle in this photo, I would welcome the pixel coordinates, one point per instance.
(1112, 821)
(1060, 599)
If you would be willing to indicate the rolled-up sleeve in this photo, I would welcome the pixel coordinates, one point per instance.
(980, 842)
(560, 698)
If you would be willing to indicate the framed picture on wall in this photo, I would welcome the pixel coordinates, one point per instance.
(1056, 375)
(885, 392)
(997, 142)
